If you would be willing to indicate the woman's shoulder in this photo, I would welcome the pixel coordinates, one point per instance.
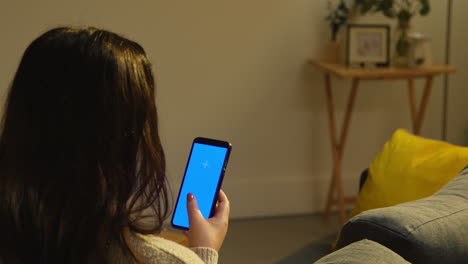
(155, 249)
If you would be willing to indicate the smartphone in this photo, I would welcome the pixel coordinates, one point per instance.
(203, 178)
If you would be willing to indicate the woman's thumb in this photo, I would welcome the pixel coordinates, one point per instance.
(192, 208)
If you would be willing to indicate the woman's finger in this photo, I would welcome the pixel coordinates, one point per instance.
(192, 209)
(223, 205)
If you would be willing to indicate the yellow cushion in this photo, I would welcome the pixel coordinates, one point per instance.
(409, 168)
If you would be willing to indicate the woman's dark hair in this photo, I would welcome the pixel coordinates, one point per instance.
(81, 162)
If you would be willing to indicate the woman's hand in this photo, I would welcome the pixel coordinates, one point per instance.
(208, 232)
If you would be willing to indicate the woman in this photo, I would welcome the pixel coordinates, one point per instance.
(81, 162)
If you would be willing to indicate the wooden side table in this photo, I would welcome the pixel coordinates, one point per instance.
(335, 192)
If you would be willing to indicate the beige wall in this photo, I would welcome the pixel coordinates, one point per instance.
(457, 119)
(236, 70)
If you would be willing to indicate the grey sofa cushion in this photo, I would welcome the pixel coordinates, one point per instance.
(430, 230)
(362, 252)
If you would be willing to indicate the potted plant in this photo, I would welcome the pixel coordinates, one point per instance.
(403, 11)
(337, 17)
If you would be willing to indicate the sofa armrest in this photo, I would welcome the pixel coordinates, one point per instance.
(430, 230)
(362, 252)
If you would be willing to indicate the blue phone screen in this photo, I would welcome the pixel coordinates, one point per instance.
(202, 176)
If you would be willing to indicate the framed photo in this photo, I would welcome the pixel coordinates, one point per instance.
(368, 44)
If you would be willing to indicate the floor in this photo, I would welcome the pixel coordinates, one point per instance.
(282, 240)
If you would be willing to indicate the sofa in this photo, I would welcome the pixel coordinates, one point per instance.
(429, 230)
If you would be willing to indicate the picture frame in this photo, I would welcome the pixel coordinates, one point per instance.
(368, 44)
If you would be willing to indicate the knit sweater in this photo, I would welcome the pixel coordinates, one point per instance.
(153, 249)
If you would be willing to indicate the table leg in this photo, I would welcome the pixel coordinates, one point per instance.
(336, 184)
(423, 105)
(417, 113)
(413, 102)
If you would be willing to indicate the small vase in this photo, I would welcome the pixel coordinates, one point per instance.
(401, 53)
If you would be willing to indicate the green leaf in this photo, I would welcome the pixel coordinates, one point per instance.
(425, 11)
(386, 5)
(366, 8)
(404, 17)
(426, 7)
(389, 13)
